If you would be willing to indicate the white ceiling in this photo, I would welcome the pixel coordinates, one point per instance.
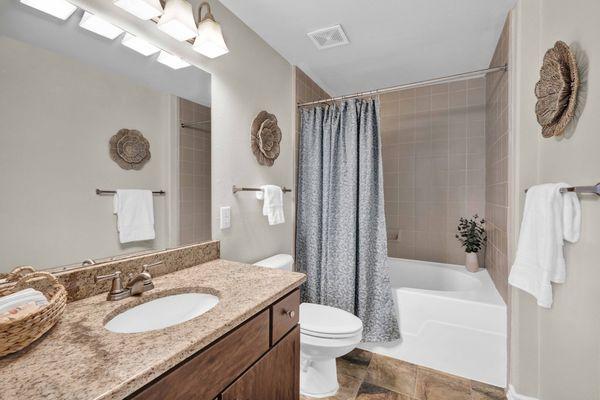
(391, 41)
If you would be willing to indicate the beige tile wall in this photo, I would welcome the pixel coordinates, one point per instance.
(306, 89)
(434, 167)
(194, 162)
(497, 168)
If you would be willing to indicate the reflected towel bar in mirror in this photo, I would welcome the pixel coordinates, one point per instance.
(202, 126)
(246, 189)
(101, 192)
(581, 189)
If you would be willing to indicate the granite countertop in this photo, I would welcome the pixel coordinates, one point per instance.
(79, 359)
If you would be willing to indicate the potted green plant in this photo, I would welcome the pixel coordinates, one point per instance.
(472, 236)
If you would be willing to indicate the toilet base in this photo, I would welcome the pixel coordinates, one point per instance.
(318, 378)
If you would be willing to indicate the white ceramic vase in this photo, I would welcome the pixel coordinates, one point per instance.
(472, 262)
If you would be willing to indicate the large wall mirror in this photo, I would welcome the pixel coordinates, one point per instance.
(64, 92)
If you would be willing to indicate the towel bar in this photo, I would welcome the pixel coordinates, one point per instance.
(581, 189)
(246, 189)
(100, 192)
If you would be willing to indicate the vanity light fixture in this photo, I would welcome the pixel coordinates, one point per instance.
(99, 26)
(138, 44)
(209, 41)
(57, 8)
(171, 61)
(143, 9)
(177, 20)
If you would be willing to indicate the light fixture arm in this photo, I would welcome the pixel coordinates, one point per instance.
(208, 14)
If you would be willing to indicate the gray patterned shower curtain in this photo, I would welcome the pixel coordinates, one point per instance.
(340, 228)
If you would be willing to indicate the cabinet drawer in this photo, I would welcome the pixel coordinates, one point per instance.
(284, 315)
(206, 374)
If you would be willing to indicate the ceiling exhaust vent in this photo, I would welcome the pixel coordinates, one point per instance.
(329, 37)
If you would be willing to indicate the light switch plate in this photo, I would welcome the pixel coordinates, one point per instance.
(225, 219)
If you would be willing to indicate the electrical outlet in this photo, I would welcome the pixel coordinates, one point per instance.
(225, 220)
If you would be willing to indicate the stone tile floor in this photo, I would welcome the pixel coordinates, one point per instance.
(367, 376)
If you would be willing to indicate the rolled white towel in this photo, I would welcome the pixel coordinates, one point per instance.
(19, 312)
(14, 300)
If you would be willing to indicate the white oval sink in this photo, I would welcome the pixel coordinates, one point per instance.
(162, 312)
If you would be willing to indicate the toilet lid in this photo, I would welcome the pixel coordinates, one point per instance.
(318, 319)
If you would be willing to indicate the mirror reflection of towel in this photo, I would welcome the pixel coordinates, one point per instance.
(135, 215)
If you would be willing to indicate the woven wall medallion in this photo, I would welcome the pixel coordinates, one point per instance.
(265, 137)
(557, 90)
(129, 149)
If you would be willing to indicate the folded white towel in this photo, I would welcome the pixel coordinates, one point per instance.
(549, 218)
(273, 203)
(135, 215)
(21, 297)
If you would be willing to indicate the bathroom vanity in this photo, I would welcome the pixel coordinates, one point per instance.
(245, 347)
(258, 360)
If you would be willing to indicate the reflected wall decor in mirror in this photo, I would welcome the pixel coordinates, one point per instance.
(65, 91)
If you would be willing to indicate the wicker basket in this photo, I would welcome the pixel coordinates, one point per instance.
(16, 335)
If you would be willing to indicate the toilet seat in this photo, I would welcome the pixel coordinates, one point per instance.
(321, 335)
(328, 322)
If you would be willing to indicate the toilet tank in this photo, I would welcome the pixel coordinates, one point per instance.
(279, 261)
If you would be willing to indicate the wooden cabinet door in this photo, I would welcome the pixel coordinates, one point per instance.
(206, 374)
(276, 376)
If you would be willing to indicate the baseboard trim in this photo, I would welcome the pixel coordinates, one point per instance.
(513, 395)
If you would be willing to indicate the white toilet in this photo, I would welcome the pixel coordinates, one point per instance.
(325, 334)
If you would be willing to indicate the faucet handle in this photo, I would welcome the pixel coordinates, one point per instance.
(148, 281)
(116, 288)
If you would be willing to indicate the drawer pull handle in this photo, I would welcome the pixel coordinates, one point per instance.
(291, 314)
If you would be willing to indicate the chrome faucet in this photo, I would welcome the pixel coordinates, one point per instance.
(136, 285)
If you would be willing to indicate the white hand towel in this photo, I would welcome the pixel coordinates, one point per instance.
(135, 215)
(272, 197)
(549, 218)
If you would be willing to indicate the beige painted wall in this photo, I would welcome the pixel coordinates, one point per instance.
(251, 78)
(556, 352)
(56, 118)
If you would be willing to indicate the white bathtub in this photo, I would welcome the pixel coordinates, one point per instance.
(451, 320)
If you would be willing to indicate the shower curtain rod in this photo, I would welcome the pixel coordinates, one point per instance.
(409, 85)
